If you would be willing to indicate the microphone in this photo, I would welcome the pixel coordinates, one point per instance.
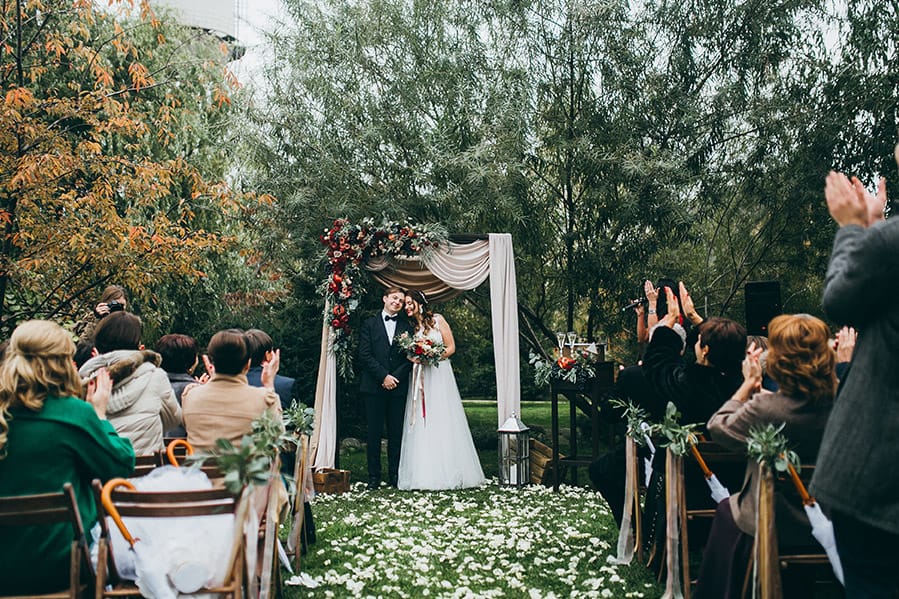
(634, 304)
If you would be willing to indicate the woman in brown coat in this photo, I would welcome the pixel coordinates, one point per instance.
(801, 362)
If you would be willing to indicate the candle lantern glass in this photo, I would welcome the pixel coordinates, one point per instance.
(514, 453)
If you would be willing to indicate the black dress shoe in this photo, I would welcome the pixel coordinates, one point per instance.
(393, 483)
(373, 484)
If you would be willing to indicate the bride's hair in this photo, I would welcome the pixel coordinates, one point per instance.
(425, 317)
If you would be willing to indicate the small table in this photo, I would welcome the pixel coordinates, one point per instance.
(586, 397)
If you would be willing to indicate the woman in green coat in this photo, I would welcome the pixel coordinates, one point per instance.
(48, 437)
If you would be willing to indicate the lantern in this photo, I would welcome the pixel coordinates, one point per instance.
(514, 453)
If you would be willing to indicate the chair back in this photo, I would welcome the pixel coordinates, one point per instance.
(119, 502)
(144, 464)
(47, 509)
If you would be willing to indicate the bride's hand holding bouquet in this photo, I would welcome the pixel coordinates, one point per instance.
(422, 350)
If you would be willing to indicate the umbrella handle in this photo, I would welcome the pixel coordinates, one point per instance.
(803, 493)
(170, 450)
(106, 500)
(702, 465)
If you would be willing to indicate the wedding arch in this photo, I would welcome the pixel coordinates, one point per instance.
(412, 257)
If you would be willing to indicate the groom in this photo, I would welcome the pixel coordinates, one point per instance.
(385, 379)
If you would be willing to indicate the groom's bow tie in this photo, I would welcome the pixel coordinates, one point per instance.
(386, 317)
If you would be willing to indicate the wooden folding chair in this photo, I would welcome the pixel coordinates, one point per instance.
(144, 464)
(178, 449)
(47, 509)
(773, 561)
(708, 458)
(294, 541)
(127, 502)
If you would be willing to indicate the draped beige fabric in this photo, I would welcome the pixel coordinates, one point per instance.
(441, 275)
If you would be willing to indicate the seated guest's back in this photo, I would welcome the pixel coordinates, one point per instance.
(48, 437)
(697, 389)
(226, 406)
(143, 404)
(180, 356)
(261, 351)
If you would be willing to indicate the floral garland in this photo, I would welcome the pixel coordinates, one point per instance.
(348, 246)
(576, 369)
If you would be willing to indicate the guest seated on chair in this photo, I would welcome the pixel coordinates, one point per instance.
(226, 406)
(48, 437)
(262, 349)
(802, 364)
(180, 356)
(143, 404)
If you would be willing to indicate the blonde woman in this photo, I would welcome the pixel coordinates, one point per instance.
(48, 437)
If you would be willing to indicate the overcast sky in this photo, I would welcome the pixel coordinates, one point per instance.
(256, 16)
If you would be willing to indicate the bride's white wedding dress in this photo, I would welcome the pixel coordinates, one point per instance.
(437, 451)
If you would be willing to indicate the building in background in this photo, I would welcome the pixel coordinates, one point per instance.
(221, 18)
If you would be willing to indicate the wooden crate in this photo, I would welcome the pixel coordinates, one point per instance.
(330, 480)
(541, 463)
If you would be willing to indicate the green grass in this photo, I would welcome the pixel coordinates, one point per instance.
(482, 421)
(484, 542)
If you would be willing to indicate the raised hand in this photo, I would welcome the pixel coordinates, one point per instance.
(671, 317)
(652, 294)
(845, 344)
(846, 205)
(208, 365)
(270, 369)
(99, 390)
(689, 308)
(752, 366)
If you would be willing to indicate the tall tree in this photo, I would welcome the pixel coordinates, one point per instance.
(99, 180)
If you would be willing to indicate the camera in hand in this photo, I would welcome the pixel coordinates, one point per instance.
(115, 306)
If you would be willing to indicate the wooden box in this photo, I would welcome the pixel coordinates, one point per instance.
(541, 463)
(330, 480)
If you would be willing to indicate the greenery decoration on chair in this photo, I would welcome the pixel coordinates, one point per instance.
(678, 437)
(248, 464)
(768, 444)
(348, 245)
(635, 416)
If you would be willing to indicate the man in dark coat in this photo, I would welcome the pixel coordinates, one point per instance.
(854, 475)
(384, 382)
(261, 349)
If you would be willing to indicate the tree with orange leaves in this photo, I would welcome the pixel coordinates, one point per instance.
(109, 155)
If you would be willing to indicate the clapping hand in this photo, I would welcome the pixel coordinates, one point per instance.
(845, 344)
(270, 369)
(752, 367)
(99, 390)
(689, 308)
(671, 317)
(850, 203)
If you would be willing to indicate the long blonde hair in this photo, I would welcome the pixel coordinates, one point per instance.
(38, 364)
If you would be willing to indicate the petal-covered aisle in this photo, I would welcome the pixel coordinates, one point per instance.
(486, 542)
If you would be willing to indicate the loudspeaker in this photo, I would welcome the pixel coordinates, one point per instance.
(762, 304)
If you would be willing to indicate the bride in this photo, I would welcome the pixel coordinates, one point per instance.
(437, 451)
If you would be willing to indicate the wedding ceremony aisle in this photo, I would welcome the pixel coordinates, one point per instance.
(490, 541)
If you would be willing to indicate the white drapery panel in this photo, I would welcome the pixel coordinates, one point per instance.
(504, 313)
(324, 433)
(441, 274)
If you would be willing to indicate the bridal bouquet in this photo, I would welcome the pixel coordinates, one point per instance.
(422, 349)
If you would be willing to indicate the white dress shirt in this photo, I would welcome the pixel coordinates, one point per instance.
(389, 325)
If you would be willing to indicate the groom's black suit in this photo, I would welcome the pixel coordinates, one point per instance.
(378, 358)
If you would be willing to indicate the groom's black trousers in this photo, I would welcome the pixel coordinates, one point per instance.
(380, 408)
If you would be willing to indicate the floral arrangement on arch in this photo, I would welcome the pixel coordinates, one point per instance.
(576, 369)
(347, 246)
